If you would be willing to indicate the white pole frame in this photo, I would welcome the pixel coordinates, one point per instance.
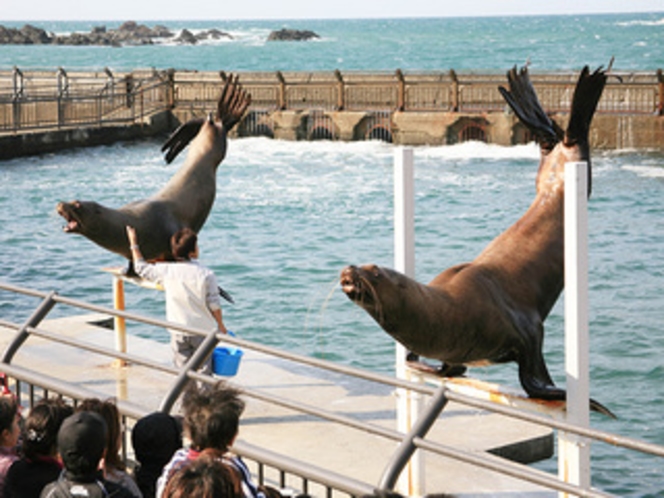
(573, 451)
(409, 404)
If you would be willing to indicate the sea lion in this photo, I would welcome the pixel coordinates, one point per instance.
(492, 310)
(185, 201)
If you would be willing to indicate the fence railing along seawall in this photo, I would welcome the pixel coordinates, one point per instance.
(409, 108)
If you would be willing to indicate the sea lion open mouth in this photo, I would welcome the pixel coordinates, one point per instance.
(68, 212)
(356, 286)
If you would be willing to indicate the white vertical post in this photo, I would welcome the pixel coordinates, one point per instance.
(574, 452)
(409, 403)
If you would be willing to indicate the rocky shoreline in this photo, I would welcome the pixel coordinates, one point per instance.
(131, 33)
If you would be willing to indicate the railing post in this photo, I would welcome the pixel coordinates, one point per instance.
(170, 90)
(660, 87)
(340, 90)
(401, 91)
(573, 451)
(454, 91)
(409, 403)
(63, 89)
(35, 319)
(19, 89)
(281, 91)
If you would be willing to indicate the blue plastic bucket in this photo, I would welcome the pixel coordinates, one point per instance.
(226, 361)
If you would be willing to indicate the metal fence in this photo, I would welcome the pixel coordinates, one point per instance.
(30, 385)
(34, 100)
(37, 101)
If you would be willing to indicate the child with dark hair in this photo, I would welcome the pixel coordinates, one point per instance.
(211, 421)
(155, 438)
(40, 464)
(112, 463)
(9, 435)
(81, 443)
(205, 477)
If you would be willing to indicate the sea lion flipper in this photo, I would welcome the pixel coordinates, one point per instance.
(522, 99)
(233, 103)
(180, 138)
(587, 93)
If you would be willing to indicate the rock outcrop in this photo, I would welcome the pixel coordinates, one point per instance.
(129, 33)
(292, 35)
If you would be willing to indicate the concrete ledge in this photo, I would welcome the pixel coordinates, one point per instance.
(42, 142)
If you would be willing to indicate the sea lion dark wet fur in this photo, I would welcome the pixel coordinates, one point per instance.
(492, 310)
(185, 201)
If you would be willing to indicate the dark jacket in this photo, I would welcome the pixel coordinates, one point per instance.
(96, 487)
(26, 478)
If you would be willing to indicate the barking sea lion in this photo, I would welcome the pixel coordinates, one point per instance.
(185, 201)
(492, 310)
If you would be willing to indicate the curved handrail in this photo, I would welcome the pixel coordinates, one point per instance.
(415, 439)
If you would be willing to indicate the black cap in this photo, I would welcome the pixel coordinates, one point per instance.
(156, 437)
(81, 442)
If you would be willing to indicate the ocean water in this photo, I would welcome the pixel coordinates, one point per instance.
(548, 42)
(290, 215)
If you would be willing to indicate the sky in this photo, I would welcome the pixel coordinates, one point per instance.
(138, 10)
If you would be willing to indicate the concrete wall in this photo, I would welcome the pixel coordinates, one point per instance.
(30, 144)
(608, 131)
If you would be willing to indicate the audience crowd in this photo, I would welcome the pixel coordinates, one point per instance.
(64, 451)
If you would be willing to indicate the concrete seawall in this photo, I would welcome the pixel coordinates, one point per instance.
(608, 131)
(55, 140)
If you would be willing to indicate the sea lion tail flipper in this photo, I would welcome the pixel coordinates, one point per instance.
(587, 93)
(233, 103)
(598, 407)
(226, 295)
(180, 138)
(544, 388)
(522, 99)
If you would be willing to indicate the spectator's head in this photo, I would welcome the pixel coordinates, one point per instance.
(111, 415)
(205, 477)
(183, 243)
(9, 418)
(81, 443)
(155, 438)
(42, 425)
(212, 416)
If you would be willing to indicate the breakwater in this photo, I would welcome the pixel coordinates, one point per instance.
(39, 109)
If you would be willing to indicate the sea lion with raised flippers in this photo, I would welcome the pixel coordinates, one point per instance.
(492, 310)
(185, 201)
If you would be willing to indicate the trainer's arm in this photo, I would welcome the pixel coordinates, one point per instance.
(133, 244)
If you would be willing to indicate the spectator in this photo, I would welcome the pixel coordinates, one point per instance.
(211, 421)
(9, 436)
(81, 442)
(112, 464)
(205, 477)
(40, 464)
(155, 438)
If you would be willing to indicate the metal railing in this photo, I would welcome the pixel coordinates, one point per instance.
(33, 102)
(37, 100)
(27, 383)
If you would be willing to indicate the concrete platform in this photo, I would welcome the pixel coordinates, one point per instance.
(322, 443)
